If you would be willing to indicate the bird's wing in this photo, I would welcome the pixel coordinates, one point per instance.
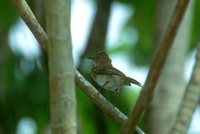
(108, 70)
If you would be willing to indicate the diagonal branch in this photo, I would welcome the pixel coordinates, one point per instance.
(156, 67)
(101, 101)
(29, 18)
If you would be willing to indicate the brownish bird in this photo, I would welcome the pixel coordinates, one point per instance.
(107, 76)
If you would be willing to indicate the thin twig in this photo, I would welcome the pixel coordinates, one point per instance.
(190, 100)
(156, 67)
(106, 106)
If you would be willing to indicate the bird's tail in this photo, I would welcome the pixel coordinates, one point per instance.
(130, 80)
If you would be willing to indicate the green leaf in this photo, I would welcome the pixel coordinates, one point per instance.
(8, 14)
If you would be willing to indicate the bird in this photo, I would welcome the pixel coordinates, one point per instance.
(107, 76)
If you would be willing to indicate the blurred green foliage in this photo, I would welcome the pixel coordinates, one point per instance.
(28, 94)
(25, 95)
(143, 22)
(8, 14)
(195, 26)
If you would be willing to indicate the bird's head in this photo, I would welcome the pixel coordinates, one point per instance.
(100, 59)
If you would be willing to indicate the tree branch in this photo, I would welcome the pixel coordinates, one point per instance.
(190, 100)
(61, 74)
(156, 67)
(24, 10)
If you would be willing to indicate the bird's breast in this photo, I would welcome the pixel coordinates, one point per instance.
(113, 82)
